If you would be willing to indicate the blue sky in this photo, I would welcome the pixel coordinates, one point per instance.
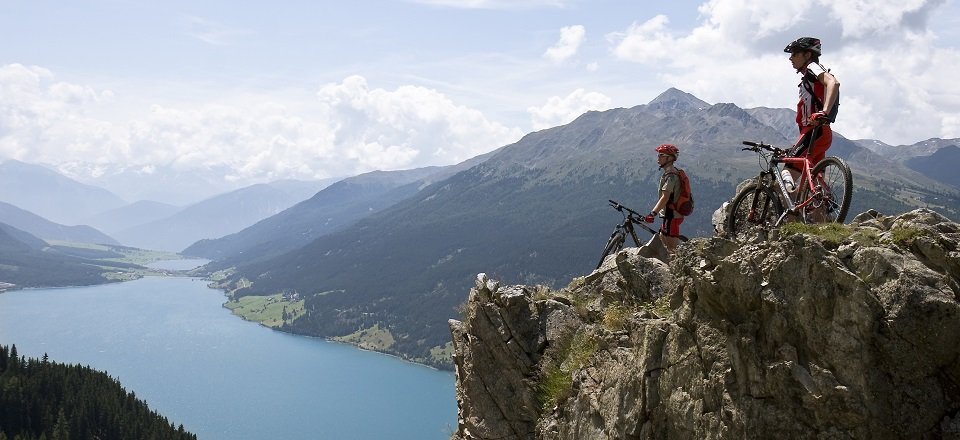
(250, 91)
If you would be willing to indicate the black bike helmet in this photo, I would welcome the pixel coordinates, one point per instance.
(803, 44)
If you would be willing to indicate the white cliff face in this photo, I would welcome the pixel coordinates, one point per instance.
(804, 335)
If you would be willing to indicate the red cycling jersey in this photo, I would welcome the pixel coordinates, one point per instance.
(812, 95)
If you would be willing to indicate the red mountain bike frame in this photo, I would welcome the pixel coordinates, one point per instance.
(804, 166)
(814, 184)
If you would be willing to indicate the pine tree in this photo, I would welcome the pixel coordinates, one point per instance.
(61, 431)
(13, 357)
(48, 400)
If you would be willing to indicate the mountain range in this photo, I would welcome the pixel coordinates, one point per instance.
(941, 165)
(165, 183)
(48, 230)
(536, 212)
(28, 261)
(395, 250)
(51, 195)
(336, 206)
(31, 195)
(217, 216)
(935, 157)
(131, 215)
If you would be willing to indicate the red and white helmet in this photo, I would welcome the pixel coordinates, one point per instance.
(669, 149)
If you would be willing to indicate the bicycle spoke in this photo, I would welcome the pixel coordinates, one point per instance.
(832, 176)
(614, 244)
(753, 210)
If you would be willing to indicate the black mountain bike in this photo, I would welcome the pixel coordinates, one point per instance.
(822, 195)
(619, 235)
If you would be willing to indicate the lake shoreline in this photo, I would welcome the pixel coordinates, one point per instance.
(169, 340)
(274, 311)
(399, 356)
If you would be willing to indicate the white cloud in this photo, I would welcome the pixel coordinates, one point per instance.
(894, 66)
(951, 126)
(863, 19)
(347, 128)
(571, 37)
(645, 42)
(891, 69)
(744, 20)
(42, 118)
(559, 111)
(408, 126)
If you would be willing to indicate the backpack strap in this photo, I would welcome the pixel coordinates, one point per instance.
(808, 79)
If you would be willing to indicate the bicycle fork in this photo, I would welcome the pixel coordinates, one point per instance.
(767, 204)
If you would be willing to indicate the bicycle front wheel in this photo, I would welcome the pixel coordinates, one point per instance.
(833, 177)
(614, 244)
(755, 208)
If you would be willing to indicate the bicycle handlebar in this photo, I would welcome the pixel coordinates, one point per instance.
(757, 146)
(616, 205)
(637, 218)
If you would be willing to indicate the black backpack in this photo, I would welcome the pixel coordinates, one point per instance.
(809, 79)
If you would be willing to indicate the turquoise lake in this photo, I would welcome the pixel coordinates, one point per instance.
(171, 342)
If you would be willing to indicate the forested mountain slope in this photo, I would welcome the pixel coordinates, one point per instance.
(535, 212)
(43, 399)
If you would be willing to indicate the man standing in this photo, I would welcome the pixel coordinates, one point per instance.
(819, 100)
(668, 190)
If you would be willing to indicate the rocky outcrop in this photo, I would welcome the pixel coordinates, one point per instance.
(815, 332)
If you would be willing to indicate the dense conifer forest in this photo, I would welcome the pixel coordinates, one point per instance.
(41, 399)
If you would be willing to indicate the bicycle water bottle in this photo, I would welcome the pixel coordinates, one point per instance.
(787, 179)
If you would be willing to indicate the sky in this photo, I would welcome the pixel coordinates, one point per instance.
(119, 92)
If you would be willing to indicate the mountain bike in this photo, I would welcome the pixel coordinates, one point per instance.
(822, 194)
(619, 235)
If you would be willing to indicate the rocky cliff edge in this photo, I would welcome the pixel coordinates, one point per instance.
(814, 332)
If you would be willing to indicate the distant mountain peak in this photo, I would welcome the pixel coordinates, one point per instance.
(676, 98)
(49, 194)
(13, 165)
(726, 109)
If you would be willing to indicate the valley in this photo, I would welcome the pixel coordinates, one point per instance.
(382, 260)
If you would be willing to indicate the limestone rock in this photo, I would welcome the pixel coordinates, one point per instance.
(497, 351)
(797, 337)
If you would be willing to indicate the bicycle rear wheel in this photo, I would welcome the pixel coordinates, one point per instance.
(614, 244)
(755, 208)
(833, 177)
